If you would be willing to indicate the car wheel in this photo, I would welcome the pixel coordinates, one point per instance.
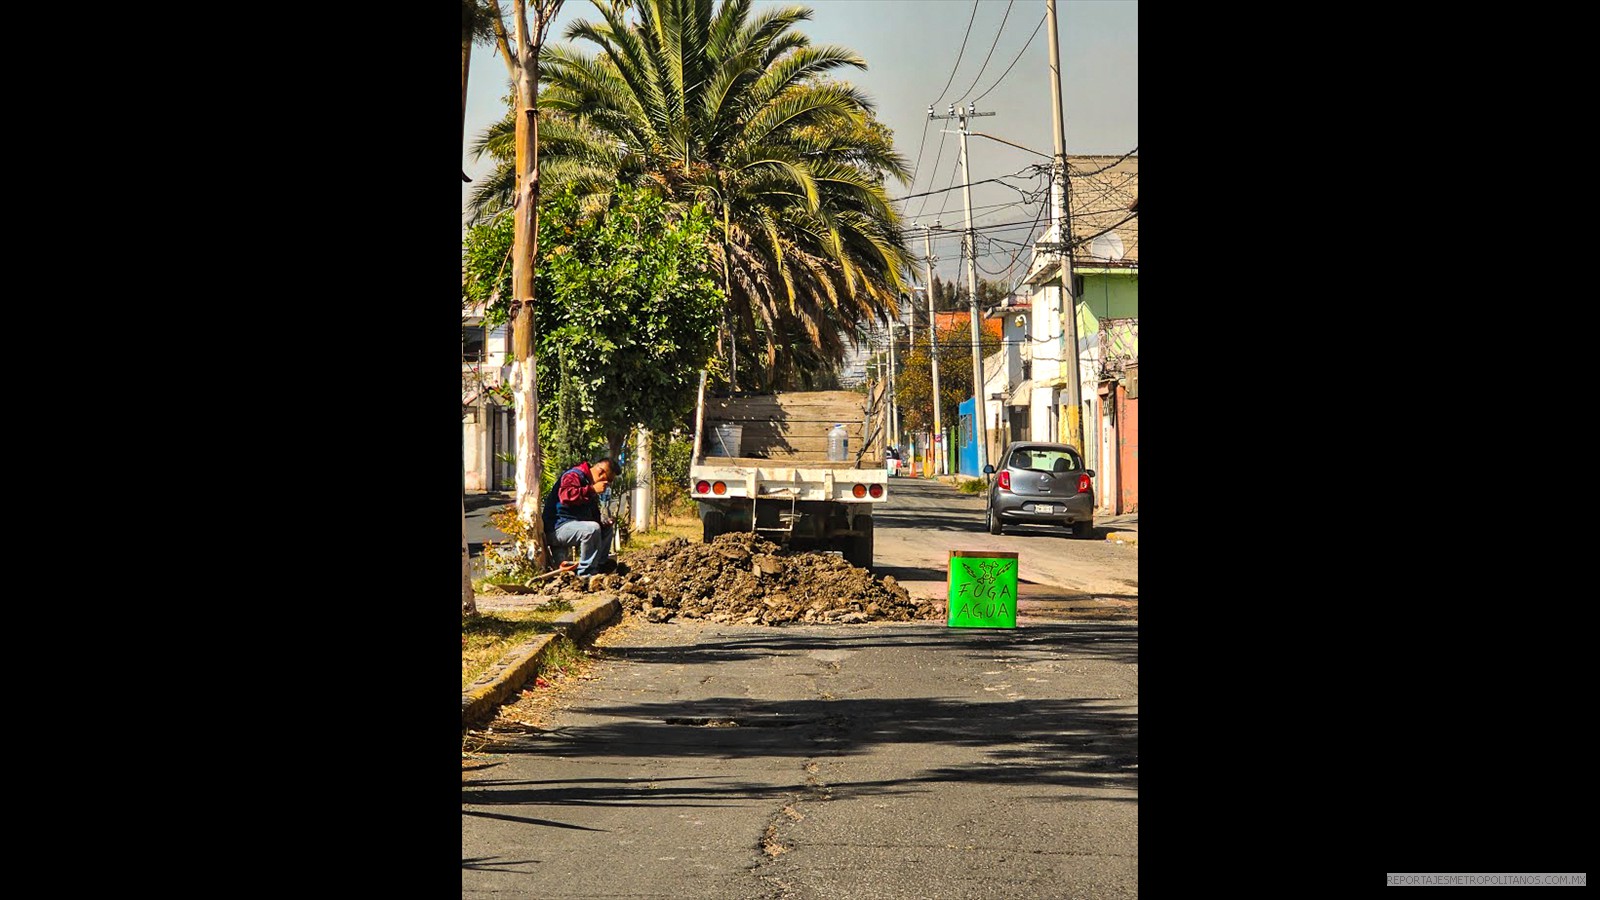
(992, 519)
(713, 524)
(1083, 530)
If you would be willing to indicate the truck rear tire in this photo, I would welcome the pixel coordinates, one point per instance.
(860, 547)
(713, 523)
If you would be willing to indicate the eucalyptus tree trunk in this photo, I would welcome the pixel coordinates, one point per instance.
(523, 63)
(469, 601)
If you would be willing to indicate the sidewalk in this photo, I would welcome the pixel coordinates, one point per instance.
(1123, 528)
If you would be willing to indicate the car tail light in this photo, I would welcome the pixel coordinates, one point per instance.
(702, 487)
(859, 490)
(719, 488)
(1083, 484)
(1005, 481)
(876, 490)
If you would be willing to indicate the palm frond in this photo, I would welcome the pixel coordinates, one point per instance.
(804, 64)
(802, 106)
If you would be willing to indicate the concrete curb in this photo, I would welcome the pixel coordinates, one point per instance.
(483, 697)
(1123, 537)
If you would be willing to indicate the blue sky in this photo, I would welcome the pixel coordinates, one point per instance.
(911, 48)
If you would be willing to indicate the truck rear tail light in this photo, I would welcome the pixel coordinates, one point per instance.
(719, 488)
(859, 490)
(1005, 481)
(1083, 484)
(702, 487)
(876, 490)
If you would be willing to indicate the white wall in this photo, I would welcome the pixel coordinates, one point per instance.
(1045, 325)
(472, 447)
(477, 455)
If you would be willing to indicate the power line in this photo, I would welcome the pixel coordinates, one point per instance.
(922, 144)
(1039, 216)
(1102, 168)
(959, 52)
(954, 171)
(1014, 61)
(985, 181)
(935, 169)
(953, 69)
(1000, 226)
(996, 43)
(1088, 238)
(977, 227)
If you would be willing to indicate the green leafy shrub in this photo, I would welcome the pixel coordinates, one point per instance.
(669, 464)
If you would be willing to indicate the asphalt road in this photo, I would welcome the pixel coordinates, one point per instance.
(847, 762)
(1058, 577)
(479, 508)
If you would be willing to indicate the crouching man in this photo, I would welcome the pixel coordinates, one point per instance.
(579, 519)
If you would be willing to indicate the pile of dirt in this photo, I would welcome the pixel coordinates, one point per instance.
(742, 577)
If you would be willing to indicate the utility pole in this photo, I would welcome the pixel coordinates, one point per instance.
(911, 316)
(933, 340)
(644, 489)
(980, 407)
(1060, 197)
(894, 412)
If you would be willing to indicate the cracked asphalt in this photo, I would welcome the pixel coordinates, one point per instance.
(866, 761)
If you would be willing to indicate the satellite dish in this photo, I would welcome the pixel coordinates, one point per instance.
(1107, 246)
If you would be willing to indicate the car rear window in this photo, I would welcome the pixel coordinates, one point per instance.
(1045, 460)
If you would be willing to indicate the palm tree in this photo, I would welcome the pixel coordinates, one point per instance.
(477, 27)
(712, 104)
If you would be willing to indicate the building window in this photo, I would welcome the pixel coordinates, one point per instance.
(472, 343)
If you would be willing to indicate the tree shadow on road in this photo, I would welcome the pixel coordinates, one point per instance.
(1085, 641)
(934, 521)
(494, 863)
(1083, 745)
(1064, 746)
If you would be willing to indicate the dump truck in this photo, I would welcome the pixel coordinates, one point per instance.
(761, 464)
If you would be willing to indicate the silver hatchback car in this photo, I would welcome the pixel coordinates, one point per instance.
(1040, 484)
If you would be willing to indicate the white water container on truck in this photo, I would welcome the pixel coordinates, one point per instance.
(838, 444)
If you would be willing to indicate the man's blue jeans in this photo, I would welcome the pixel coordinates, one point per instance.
(592, 539)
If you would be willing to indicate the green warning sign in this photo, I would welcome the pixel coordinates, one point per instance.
(983, 589)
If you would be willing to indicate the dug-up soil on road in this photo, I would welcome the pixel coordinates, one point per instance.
(744, 578)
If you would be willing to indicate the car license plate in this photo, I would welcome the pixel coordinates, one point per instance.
(1043, 508)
